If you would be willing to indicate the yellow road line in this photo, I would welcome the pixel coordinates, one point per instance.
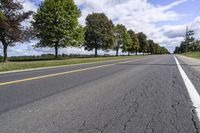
(63, 73)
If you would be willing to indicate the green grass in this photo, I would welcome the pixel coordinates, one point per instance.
(192, 54)
(16, 65)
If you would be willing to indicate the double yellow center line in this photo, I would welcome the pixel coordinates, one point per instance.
(63, 73)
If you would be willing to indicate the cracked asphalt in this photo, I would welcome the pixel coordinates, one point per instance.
(144, 95)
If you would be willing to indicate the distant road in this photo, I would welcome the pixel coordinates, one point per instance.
(138, 95)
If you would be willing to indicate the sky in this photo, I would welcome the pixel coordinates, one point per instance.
(164, 21)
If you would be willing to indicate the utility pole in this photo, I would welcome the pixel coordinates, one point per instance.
(186, 38)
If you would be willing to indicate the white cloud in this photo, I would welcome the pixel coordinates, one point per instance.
(137, 10)
(195, 25)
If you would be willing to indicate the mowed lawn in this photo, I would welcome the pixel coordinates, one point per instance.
(9, 66)
(193, 54)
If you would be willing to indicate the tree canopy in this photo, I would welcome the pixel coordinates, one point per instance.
(152, 47)
(143, 42)
(127, 43)
(135, 46)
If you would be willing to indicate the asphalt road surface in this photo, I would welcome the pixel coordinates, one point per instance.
(138, 95)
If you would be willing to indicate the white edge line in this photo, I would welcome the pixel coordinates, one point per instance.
(52, 67)
(194, 95)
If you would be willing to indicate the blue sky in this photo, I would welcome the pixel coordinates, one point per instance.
(164, 21)
(191, 9)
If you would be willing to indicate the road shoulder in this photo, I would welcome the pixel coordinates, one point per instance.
(191, 62)
(191, 67)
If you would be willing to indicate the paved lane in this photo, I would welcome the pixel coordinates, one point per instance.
(18, 94)
(139, 96)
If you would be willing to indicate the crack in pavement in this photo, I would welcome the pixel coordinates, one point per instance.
(82, 126)
(149, 124)
(195, 123)
(174, 106)
(132, 115)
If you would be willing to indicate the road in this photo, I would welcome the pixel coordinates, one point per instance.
(137, 95)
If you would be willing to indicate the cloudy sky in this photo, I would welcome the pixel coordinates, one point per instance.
(164, 21)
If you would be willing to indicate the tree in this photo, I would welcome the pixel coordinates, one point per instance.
(151, 46)
(123, 38)
(118, 33)
(11, 30)
(120, 37)
(143, 42)
(157, 48)
(177, 50)
(99, 32)
(135, 46)
(56, 24)
(195, 46)
(163, 50)
(127, 43)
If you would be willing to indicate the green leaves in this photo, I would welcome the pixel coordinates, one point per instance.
(1, 15)
(152, 47)
(143, 42)
(56, 24)
(127, 43)
(135, 42)
(131, 42)
(98, 32)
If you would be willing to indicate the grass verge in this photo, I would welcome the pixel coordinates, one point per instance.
(192, 54)
(9, 66)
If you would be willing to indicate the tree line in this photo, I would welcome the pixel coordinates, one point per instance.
(189, 44)
(55, 25)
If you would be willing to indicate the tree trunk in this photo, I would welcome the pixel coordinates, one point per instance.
(5, 55)
(136, 52)
(56, 51)
(117, 52)
(128, 53)
(96, 52)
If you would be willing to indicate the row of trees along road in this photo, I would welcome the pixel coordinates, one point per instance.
(55, 24)
(190, 44)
